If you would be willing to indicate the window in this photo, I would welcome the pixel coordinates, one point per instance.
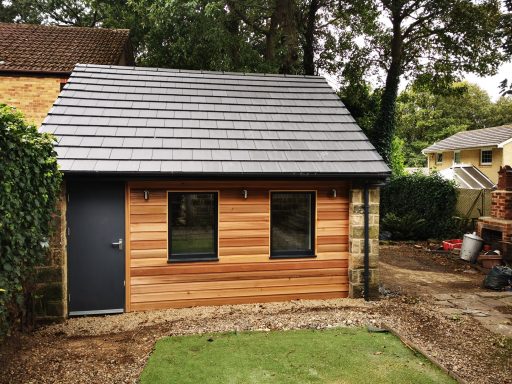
(456, 157)
(439, 158)
(486, 156)
(292, 218)
(192, 226)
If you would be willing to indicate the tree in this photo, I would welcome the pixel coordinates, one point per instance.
(433, 41)
(425, 116)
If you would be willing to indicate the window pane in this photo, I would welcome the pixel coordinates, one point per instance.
(456, 158)
(192, 224)
(486, 157)
(439, 158)
(292, 223)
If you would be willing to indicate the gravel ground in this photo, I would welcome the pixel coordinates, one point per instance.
(114, 349)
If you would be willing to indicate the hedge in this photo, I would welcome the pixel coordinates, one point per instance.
(29, 187)
(419, 207)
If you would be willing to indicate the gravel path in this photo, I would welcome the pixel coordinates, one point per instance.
(114, 349)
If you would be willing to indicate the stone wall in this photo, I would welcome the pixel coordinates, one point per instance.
(31, 95)
(356, 242)
(51, 303)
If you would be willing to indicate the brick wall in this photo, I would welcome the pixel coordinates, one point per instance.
(51, 303)
(501, 204)
(32, 95)
(356, 242)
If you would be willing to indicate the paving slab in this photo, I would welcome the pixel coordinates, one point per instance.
(482, 306)
(443, 296)
(496, 295)
(446, 303)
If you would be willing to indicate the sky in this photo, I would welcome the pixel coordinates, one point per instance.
(491, 83)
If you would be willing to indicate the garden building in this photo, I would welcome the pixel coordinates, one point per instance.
(187, 188)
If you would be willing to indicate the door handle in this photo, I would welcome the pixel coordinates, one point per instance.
(119, 244)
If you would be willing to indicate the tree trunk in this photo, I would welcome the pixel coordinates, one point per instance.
(309, 45)
(270, 46)
(385, 124)
(233, 27)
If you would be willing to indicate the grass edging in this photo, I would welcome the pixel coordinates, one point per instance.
(415, 347)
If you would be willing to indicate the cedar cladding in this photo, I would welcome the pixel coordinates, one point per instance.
(244, 272)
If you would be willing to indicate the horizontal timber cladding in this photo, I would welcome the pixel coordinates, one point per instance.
(244, 272)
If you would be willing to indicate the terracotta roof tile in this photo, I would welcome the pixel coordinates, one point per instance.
(40, 48)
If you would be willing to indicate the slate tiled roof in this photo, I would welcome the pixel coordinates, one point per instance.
(478, 138)
(136, 120)
(40, 48)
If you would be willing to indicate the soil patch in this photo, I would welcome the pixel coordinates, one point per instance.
(418, 272)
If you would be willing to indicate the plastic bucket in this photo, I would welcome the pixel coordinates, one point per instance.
(471, 246)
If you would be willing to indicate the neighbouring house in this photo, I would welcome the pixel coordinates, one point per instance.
(485, 149)
(36, 61)
(187, 188)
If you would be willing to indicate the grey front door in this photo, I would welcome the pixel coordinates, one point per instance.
(95, 221)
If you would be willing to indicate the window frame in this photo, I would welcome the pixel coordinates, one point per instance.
(481, 156)
(314, 215)
(455, 153)
(193, 257)
(437, 157)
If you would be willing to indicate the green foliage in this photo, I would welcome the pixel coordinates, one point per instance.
(29, 186)
(425, 116)
(418, 207)
(397, 157)
(433, 40)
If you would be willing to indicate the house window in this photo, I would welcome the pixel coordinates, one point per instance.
(456, 157)
(486, 156)
(292, 224)
(192, 226)
(439, 158)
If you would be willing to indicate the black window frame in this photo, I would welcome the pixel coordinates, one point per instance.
(193, 257)
(296, 254)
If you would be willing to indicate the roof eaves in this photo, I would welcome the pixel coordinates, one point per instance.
(502, 144)
(34, 72)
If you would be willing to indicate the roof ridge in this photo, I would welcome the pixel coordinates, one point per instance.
(200, 71)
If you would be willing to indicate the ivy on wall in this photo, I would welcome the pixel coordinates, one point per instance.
(29, 187)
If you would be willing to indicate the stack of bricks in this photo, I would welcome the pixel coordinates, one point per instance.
(31, 95)
(357, 243)
(501, 204)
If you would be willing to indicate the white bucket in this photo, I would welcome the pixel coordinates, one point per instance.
(471, 246)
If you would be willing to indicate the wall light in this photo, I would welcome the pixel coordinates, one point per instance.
(333, 192)
(244, 193)
(146, 194)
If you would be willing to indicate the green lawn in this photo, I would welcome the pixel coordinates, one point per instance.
(344, 355)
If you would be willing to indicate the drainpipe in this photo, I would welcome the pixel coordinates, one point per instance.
(366, 242)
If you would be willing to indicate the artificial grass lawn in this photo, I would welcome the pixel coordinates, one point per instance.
(343, 355)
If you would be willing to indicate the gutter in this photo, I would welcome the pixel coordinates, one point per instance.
(31, 72)
(383, 177)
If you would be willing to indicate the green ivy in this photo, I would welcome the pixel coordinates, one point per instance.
(29, 187)
(418, 207)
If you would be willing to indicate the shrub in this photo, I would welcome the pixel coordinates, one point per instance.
(419, 207)
(29, 187)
